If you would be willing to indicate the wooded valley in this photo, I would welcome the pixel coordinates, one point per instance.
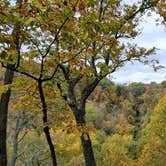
(58, 104)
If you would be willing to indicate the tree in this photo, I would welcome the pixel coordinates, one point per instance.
(137, 89)
(154, 142)
(20, 124)
(105, 83)
(5, 96)
(115, 151)
(83, 39)
(121, 91)
(4, 102)
(98, 30)
(161, 9)
(23, 20)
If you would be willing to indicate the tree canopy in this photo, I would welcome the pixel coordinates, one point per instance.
(61, 50)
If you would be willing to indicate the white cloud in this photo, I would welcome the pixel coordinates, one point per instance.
(161, 42)
(146, 77)
(152, 35)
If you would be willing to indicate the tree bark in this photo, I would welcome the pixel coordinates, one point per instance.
(136, 108)
(20, 124)
(4, 102)
(78, 109)
(87, 149)
(45, 123)
(85, 140)
(15, 143)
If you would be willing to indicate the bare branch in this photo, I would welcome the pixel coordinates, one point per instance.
(61, 91)
(55, 38)
(49, 47)
(100, 9)
(26, 132)
(52, 76)
(78, 53)
(89, 89)
(65, 71)
(38, 49)
(18, 47)
(16, 70)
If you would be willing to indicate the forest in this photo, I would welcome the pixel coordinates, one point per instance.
(58, 104)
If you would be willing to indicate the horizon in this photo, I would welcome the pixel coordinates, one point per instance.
(152, 35)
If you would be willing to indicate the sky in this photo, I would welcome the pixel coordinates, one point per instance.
(152, 35)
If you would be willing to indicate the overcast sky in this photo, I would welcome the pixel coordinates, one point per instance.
(152, 35)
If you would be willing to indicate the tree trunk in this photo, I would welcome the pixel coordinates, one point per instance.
(87, 149)
(45, 123)
(15, 143)
(20, 124)
(136, 108)
(86, 142)
(4, 102)
(137, 128)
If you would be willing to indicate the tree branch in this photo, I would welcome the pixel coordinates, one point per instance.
(100, 9)
(89, 89)
(49, 47)
(52, 76)
(38, 49)
(78, 53)
(16, 70)
(55, 37)
(141, 9)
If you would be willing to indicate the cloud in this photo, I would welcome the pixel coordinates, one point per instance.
(146, 77)
(152, 35)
